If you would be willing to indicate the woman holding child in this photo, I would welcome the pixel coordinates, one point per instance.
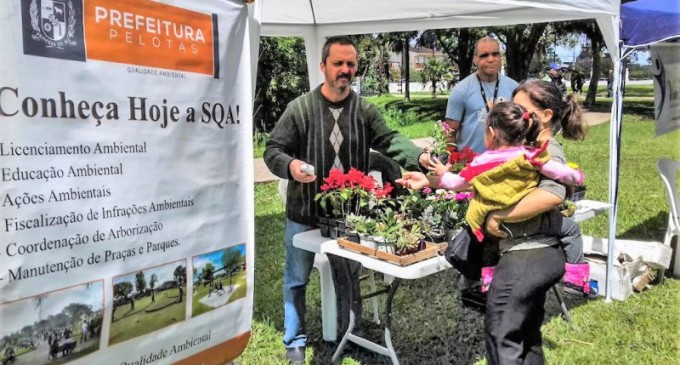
(530, 265)
(529, 268)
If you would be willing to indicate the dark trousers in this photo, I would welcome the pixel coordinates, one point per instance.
(514, 307)
(346, 275)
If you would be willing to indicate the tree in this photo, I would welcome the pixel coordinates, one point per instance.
(457, 44)
(180, 275)
(520, 43)
(232, 261)
(152, 284)
(374, 64)
(76, 311)
(208, 272)
(281, 77)
(37, 303)
(400, 43)
(433, 72)
(152, 281)
(122, 291)
(592, 31)
(140, 283)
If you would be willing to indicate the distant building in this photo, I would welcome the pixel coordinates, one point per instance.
(418, 57)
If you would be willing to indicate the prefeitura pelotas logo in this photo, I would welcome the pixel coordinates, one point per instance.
(53, 28)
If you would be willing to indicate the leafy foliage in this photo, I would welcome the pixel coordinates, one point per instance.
(281, 77)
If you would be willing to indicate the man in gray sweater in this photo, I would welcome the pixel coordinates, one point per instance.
(329, 127)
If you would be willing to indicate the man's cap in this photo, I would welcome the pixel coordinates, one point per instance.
(554, 66)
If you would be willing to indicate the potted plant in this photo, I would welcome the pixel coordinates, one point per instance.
(433, 224)
(364, 226)
(352, 193)
(459, 159)
(441, 145)
(388, 229)
(409, 241)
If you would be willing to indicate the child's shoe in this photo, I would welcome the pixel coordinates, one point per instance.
(487, 276)
(577, 277)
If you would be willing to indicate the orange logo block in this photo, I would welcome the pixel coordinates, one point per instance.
(147, 33)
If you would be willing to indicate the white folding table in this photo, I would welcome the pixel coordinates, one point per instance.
(313, 242)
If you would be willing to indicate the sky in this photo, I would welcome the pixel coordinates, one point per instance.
(214, 257)
(164, 273)
(567, 54)
(21, 313)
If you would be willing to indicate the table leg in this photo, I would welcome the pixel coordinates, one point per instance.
(388, 349)
(374, 300)
(329, 311)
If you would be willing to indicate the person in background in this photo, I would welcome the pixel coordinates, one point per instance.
(576, 82)
(554, 75)
(472, 98)
(529, 267)
(610, 83)
(329, 127)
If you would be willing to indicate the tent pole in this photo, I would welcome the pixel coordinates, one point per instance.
(614, 160)
(313, 45)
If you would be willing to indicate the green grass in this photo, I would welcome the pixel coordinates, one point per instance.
(643, 208)
(431, 327)
(147, 317)
(201, 291)
(642, 330)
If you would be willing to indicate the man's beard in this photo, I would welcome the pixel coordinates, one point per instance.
(342, 86)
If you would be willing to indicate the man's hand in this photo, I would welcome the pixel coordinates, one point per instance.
(413, 180)
(493, 224)
(295, 172)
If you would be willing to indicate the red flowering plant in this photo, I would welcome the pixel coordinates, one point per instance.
(460, 159)
(350, 193)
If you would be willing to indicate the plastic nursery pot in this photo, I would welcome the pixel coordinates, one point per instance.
(443, 158)
(353, 236)
(324, 227)
(578, 194)
(340, 227)
(437, 237)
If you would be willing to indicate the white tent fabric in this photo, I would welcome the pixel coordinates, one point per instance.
(316, 19)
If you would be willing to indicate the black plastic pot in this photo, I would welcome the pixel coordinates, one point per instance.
(353, 236)
(443, 158)
(324, 227)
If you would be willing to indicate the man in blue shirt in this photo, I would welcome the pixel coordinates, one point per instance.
(472, 98)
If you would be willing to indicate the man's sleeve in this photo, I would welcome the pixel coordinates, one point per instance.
(283, 140)
(390, 142)
(455, 108)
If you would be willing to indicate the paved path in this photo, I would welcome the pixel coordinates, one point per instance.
(263, 175)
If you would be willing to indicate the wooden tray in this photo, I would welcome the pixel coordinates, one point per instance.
(441, 247)
(429, 252)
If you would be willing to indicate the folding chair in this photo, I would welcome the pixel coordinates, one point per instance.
(669, 175)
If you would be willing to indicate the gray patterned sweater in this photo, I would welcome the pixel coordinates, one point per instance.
(312, 128)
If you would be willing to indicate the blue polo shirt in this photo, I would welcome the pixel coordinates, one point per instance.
(466, 105)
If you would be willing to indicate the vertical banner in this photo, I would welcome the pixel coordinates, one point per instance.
(666, 74)
(126, 185)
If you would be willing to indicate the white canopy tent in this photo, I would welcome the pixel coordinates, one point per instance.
(314, 20)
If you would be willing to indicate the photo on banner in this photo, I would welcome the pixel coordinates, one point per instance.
(122, 123)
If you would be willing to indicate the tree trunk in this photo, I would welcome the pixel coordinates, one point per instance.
(407, 67)
(520, 44)
(465, 53)
(595, 46)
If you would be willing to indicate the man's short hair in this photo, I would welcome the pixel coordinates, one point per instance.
(484, 40)
(338, 39)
